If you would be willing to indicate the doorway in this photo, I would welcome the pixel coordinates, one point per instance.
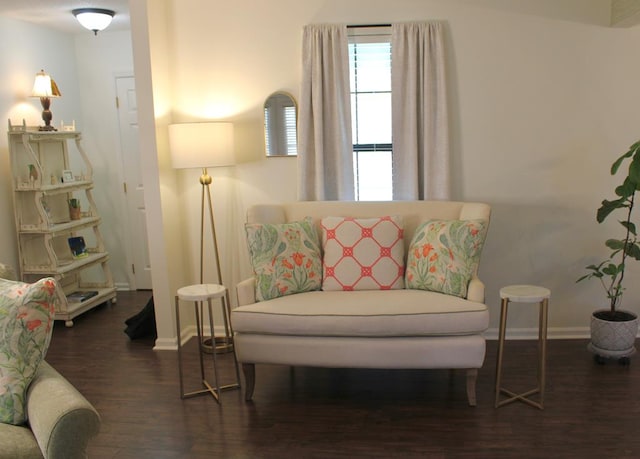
(138, 246)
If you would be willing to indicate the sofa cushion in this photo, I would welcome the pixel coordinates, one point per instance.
(444, 254)
(363, 313)
(286, 258)
(362, 254)
(26, 324)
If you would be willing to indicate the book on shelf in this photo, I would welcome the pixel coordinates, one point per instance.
(78, 247)
(80, 296)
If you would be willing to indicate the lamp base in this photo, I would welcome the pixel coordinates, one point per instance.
(47, 128)
(223, 345)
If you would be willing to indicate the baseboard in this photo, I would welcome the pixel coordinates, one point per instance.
(165, 344)
(122, 286)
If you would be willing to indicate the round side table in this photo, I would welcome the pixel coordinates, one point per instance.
(524, 294)
(199, 294)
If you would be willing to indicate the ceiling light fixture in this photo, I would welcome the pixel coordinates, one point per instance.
(94, 19)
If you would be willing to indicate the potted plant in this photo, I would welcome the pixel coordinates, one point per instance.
(613, 330)
(74, 209)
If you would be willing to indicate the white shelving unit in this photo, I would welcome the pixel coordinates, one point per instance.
(43, 184)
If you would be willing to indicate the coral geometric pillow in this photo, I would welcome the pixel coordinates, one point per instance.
(362, 254)
(444, 254)
(26, 324)
(286, 258)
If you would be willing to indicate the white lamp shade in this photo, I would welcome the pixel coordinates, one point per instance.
(95, 19)
(200, 145)
(44, 86)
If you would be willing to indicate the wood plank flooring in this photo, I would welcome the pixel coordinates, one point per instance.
(590, 410)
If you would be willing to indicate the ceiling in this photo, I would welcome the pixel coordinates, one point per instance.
(56, 14)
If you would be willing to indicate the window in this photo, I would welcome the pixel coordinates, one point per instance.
(370, 81)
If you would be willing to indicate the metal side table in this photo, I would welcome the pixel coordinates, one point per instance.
(199, 294)
(524, 294)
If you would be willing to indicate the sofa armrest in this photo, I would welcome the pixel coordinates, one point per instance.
(246, 291)
(61, 419)
(475, 291)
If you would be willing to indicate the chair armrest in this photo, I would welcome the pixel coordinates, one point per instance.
(61, 419)
(246, 291)
(475, 291)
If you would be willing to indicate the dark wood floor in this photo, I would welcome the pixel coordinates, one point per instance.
(590, 410)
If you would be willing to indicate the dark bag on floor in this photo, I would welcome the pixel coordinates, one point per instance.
(143, 324)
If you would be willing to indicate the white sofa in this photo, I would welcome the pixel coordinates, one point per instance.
(386, 329)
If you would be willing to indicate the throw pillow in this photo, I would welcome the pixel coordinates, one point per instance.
(363, 254)
(444, 254)
(285, 258)
(26, 324)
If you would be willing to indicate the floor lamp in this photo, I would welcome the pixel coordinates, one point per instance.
(200, 146)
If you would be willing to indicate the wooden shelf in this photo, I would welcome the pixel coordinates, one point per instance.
(64, 269)
(39, 159)
(72, 310)
(61, 228)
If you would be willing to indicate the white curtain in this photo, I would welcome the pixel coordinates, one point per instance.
(325, 157)
(419, 112)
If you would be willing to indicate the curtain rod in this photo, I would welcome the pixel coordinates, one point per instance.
(360, 26)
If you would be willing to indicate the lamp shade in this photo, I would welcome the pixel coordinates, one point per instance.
(94, 19)
(201, 145)
(44, 86)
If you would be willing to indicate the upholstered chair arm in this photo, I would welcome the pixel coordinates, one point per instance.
(246, 292)
(61, 419)
(475, 291)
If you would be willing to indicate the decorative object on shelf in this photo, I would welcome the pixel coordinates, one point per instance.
(80, 296)
(33, 173)
(94, 19)
(68, 127)
(613, 331)
(203, 145)
(74, 209)
(45, 88)
(67, 176)
(78, 247)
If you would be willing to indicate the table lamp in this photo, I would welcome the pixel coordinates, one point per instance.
(45, 88)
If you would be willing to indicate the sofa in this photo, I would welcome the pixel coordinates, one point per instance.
(61, 421)
(394, 325)
(43, 415)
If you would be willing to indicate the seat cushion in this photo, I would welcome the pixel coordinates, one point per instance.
(381, 313)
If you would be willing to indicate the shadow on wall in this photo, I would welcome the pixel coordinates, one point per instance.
(543, 245)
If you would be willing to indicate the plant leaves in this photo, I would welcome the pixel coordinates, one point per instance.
(609, 206)
(616, 164)
(629, 226)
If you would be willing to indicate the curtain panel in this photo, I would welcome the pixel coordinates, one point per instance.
(420, 119)
(325, 159)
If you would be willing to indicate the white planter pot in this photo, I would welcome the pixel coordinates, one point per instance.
(615, 338)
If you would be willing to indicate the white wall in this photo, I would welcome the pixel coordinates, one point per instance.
(24, 50)
(84, 67)
(542, 98)
(101, 59)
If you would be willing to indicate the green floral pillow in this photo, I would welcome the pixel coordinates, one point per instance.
(286, 258)
(444, 254)
(26, 324)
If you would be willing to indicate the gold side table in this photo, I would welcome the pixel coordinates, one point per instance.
(524, 294)
(199, 294)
